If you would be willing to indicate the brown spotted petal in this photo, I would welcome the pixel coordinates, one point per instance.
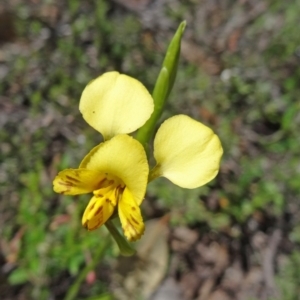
(130, 216)
(98, 211)
(77, 181)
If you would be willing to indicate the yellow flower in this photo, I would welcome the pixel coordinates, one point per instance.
(116, 171)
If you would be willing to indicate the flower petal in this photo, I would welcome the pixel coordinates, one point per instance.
(115, 103)
(125, 158)
(187, 152)
(77, 181)
(98, 211)
(130, 217)
(87, 158)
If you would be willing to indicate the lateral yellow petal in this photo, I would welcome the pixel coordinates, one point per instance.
(115, 103)
(187, 152)
(130, 217)
(98, 211)
(125, 158)
(77, 181)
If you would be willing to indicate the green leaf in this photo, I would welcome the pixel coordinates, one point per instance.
(18, 276)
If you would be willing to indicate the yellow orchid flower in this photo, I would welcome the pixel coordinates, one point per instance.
(186, 152)
(116, 171)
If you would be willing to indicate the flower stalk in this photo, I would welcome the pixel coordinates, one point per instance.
(124, 246)
(163, 86)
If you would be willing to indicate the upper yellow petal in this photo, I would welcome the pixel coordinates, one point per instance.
(77, 181)
(115, 103)
(125, 158)
(187, 152)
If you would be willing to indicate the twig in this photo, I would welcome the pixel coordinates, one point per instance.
(268, 263)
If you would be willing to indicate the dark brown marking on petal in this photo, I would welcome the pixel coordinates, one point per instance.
(133, 208)
(72, 179)
(69, 183)
(67, 188)
(101, 182)
(131, 231)
(99, 210)
(92, 206)
(98, 195)
(116, 193)
(107, 200)
(134, 220)
(65, 183)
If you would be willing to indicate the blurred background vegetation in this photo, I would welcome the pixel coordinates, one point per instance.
(238, 237)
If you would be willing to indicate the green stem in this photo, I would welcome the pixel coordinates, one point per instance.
(124, 246)
(154, 173)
